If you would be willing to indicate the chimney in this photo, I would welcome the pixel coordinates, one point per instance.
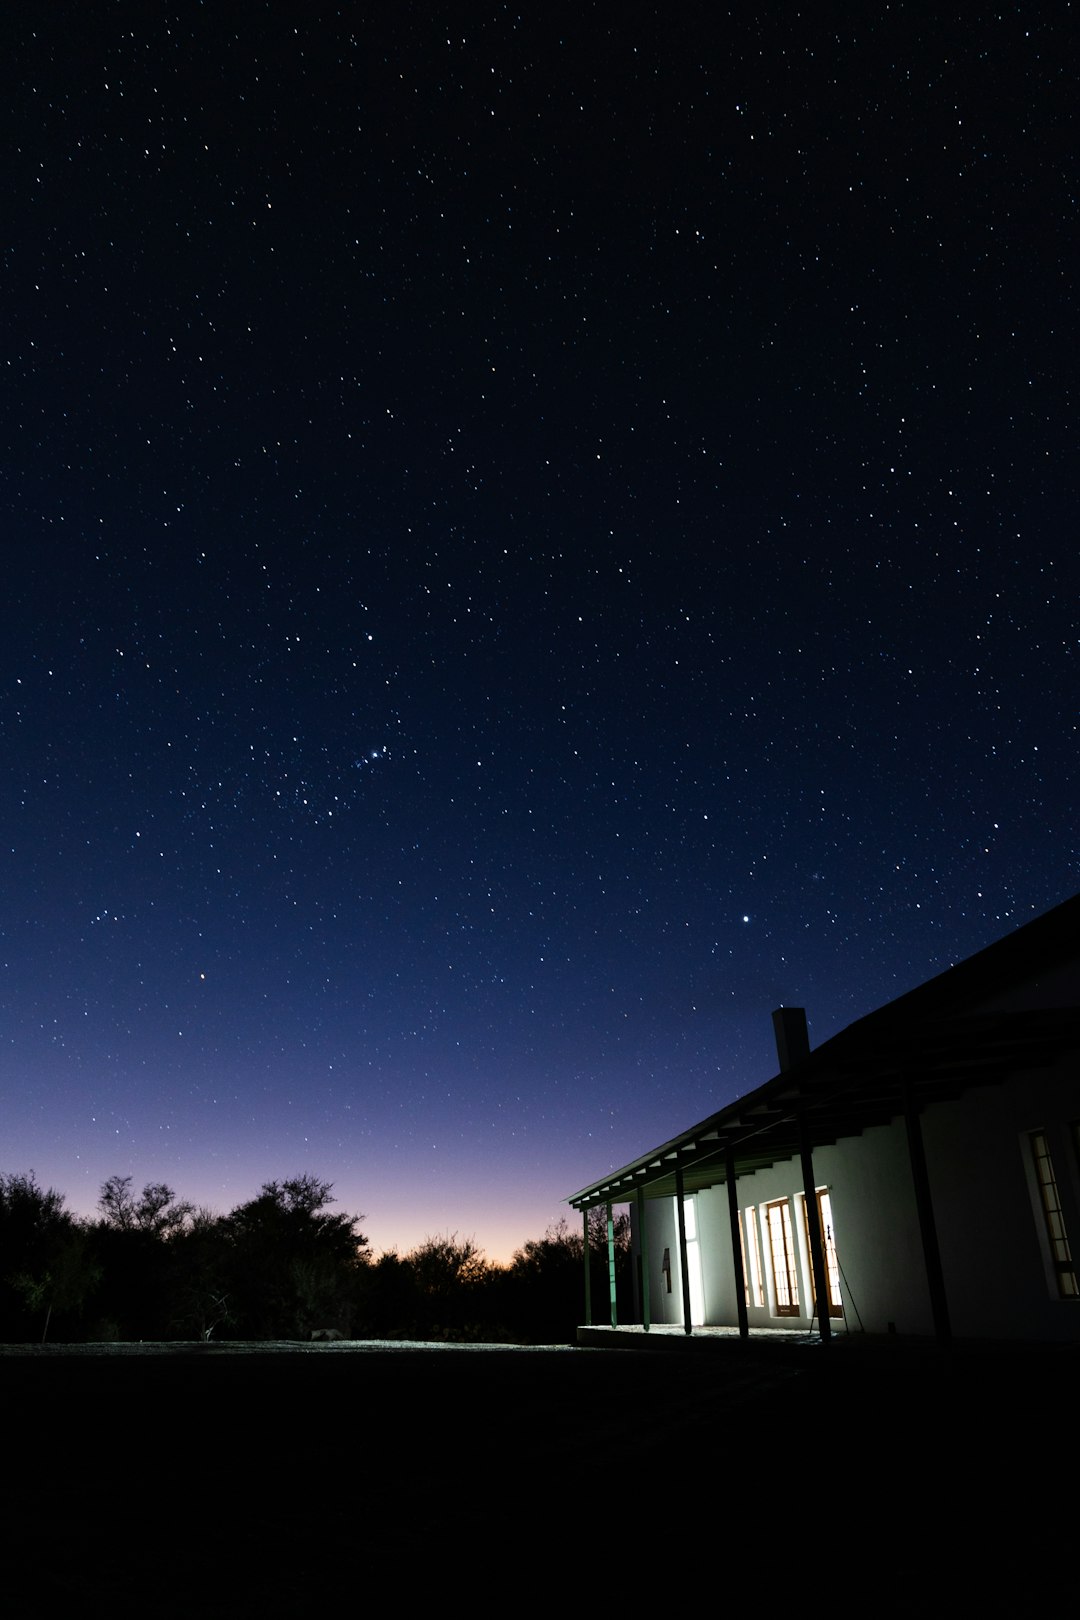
(792, 1038)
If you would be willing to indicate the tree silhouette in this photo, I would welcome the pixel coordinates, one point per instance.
(449, 1273)
(292, 1265)
(44, 1255)
(547, 1276)
(199, 1289)
(157, 1211)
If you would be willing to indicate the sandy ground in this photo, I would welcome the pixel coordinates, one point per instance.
(243, 1480)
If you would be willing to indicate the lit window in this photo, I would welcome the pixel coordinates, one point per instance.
(693, 1261)
(1060, 1253)
(782, 1253)
(832, 1265)
(690, 1219)
(755, 1289)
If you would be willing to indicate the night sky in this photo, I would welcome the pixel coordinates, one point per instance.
(529, 539)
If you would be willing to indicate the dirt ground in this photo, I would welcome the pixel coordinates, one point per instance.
(262, 1480)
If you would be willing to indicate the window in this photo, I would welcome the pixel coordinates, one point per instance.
(745, 1273)
(755, 1288)
(1060, 1254)
(832, 1265)
(782, 1253)
(693, 1261)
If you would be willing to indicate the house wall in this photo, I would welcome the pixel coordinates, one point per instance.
(716, 1273)
(995, 1254)
(999, 1279)
(869, 1183)
(665, 1290)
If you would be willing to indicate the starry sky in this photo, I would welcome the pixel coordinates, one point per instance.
(531, 536)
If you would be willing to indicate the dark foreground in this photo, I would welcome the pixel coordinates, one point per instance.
(203, 1483)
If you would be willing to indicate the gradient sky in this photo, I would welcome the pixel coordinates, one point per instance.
(529, 540)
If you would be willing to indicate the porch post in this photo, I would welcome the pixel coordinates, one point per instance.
(643, 1254)
(688, 1326)
(588, 1268)
(924, 1204)
(813, 1227)
(736, 1243)
(611, 1267)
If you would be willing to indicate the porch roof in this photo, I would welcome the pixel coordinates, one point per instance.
(928, 1046)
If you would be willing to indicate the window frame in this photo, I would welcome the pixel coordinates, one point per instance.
(788, 1305)
(1057, 1251)
(828, 1242)
(750, 1239)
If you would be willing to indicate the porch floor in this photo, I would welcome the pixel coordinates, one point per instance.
(666, 1335)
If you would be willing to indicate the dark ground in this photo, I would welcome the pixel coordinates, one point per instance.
(207, 1483)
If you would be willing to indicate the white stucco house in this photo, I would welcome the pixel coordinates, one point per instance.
(917, 1174)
